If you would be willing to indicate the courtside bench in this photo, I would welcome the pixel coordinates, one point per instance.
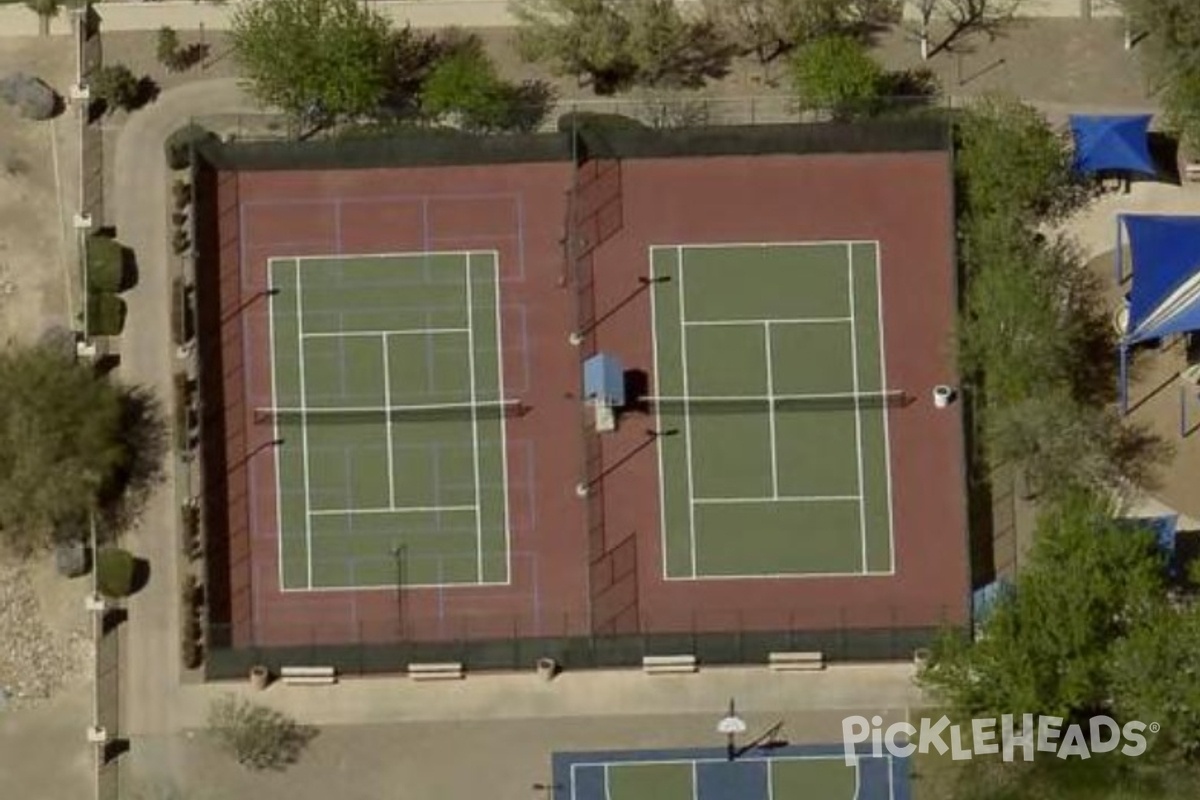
(796, 661)
(664, 665)
(436, 671)
(308, 676)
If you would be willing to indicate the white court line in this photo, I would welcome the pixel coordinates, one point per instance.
(387, 420)
(400, 332)
(658, 422)
(770, 780)
(403, 254)
(304, 428)
(862, 489)
(781, 498)
(390, 510)
(695, 782)
(607, 792)
(271, 295)
(374, 587)
(710, 760)
(887, 436)
(503, 428)
(719, 323)
(730, 245)
(780, 576)
(771, 411)
(687, 417)
(474, 420)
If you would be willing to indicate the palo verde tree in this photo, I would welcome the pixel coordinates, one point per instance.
(613, 44)
(768, 29)
(318, 60)
(838, 74)
(464, 89)
(1171, 42)
(62, 442)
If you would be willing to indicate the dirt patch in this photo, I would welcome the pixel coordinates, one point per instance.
(38, 176)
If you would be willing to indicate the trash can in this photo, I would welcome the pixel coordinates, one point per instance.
(547, 668)
(260, 676)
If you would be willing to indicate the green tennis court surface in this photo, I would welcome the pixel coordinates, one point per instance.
(788, 773)
(389, 420)
(770, 380)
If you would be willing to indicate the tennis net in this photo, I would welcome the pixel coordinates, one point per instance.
(749, 404)
(407, 413)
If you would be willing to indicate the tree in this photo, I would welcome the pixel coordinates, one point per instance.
(1047, 647)
(670, 50)
(1155, 677)
(612, 44)
(318, 60)
(169, 52)
(257, 736)
(767, 29)
(62, 443)
(1009, 161)
(465, 88)
(116, 87)
(837, 73)
(46, 11)
(584, 38)
(1172, 44)
(959, 18)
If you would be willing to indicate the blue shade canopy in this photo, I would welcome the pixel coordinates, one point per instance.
(1112, 143)
(604, 379)
(985, 598)
(1165, 253)
(1163, 528)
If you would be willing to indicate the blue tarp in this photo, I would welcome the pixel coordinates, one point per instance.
(1165, 256)
(604, 379)
(1163, 528)
(985, 598)
(1112, 143)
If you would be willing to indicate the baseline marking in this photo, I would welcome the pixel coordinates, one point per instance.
(304, 427)
(717, 323)
(687, 417)
(387, 419)
(275, 423)
(887, 435)
(366, 334)
(658, 422)
(771, 411)
(832, 498)
(862, 504)
(349, 512)
(503, 429)
(474, 420)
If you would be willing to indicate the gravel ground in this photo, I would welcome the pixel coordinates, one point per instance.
(38, 655)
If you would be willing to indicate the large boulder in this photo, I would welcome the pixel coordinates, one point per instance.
(30, 95)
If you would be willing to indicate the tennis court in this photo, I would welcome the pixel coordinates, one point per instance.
(772, 407)
(787, 773)
(389, 420)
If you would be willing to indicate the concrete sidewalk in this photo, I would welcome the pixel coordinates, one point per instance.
(591, 693)
(17, 20)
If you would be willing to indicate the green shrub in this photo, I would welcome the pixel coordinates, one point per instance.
(106, 264)
(180, 143)
(115, 572)
(106, 314)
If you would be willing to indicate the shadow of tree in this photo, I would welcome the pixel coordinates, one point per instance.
(144, 432)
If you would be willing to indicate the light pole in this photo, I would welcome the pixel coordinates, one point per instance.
(731, 725)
